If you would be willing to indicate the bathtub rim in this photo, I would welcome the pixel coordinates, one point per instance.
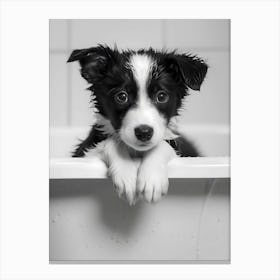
(94, 168)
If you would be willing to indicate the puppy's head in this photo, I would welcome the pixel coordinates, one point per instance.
(139, 91)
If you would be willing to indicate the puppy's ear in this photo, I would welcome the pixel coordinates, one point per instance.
(94, 62)
(78, 54)
(191, 69)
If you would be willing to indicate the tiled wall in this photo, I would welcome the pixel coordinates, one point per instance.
(210, 39)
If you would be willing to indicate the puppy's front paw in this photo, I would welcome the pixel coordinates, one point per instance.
(152, 182)
(124, 179)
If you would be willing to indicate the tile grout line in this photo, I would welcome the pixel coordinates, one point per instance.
(163, 33)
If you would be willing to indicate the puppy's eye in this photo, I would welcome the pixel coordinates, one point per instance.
(121, 97)
(162, 97)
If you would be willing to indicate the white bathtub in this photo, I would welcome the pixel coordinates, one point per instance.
(89, 223)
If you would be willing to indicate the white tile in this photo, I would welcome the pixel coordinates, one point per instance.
(81, 112)
(125, 33)
(58, 90)
(194, 33)
(58, 34)
(212, 104)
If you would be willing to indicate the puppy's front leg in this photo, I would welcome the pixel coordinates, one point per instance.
(152, 179)
(121, 168)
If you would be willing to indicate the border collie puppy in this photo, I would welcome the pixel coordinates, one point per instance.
(137, 93)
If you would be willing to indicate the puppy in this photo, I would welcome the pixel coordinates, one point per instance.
(137, 94)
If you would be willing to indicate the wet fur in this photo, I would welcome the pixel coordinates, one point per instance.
(106, 69)
(141, 75)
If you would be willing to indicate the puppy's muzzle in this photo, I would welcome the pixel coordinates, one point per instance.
(144, 132)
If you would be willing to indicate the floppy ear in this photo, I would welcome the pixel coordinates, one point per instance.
(79, 54)
(94, 62)
(191, 69)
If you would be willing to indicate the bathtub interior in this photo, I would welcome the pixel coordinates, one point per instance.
(89, 223)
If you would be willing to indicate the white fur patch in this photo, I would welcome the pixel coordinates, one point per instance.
(141, 66)
(152, 178)
(144, 113)
(118, 161)
(107, 126)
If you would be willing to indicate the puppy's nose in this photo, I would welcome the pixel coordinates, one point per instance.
(144, 132)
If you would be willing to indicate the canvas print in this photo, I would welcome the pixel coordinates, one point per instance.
(139, 141)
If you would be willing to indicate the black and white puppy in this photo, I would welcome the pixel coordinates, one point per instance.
(137, 93)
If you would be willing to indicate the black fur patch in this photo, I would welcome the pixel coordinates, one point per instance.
(183, 147)
(94, 137)
(107, 71)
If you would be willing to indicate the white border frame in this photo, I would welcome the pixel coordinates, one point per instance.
(24, 145)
